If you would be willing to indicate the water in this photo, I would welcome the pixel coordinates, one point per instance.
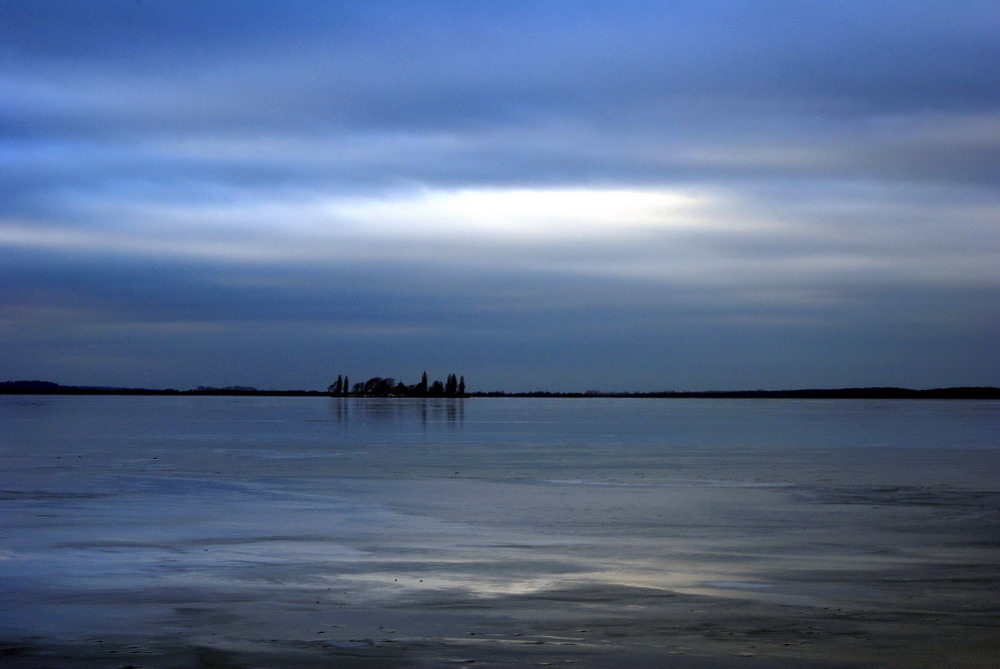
(215, 531)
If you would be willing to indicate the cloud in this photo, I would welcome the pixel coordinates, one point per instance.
(767, 186)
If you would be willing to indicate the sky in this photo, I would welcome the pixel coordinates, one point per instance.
(560, 195)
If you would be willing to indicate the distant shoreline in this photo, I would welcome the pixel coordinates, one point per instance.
(953, 393)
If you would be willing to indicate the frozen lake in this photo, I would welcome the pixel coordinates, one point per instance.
(350, 532)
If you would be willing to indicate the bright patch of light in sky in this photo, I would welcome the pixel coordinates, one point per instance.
(519, 212)
(286, 229)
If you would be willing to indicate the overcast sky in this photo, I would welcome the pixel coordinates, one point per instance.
(560, 195)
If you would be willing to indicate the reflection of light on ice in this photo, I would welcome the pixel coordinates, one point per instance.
(649, 576)
(384, 583)
(386, 586)
(705, 584)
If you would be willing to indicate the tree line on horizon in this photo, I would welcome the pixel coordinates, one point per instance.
(29, 387)
(377, 386)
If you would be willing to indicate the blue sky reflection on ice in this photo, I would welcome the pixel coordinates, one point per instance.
(565, 195)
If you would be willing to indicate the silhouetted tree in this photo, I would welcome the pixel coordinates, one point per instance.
(378, 386)
(383, 387)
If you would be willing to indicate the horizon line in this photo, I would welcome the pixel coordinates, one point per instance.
(35, 387)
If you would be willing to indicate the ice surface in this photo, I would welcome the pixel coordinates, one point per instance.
(410, 531)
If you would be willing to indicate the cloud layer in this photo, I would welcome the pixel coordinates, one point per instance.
(568, 195)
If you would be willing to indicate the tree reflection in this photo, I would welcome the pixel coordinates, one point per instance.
(424, 411)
